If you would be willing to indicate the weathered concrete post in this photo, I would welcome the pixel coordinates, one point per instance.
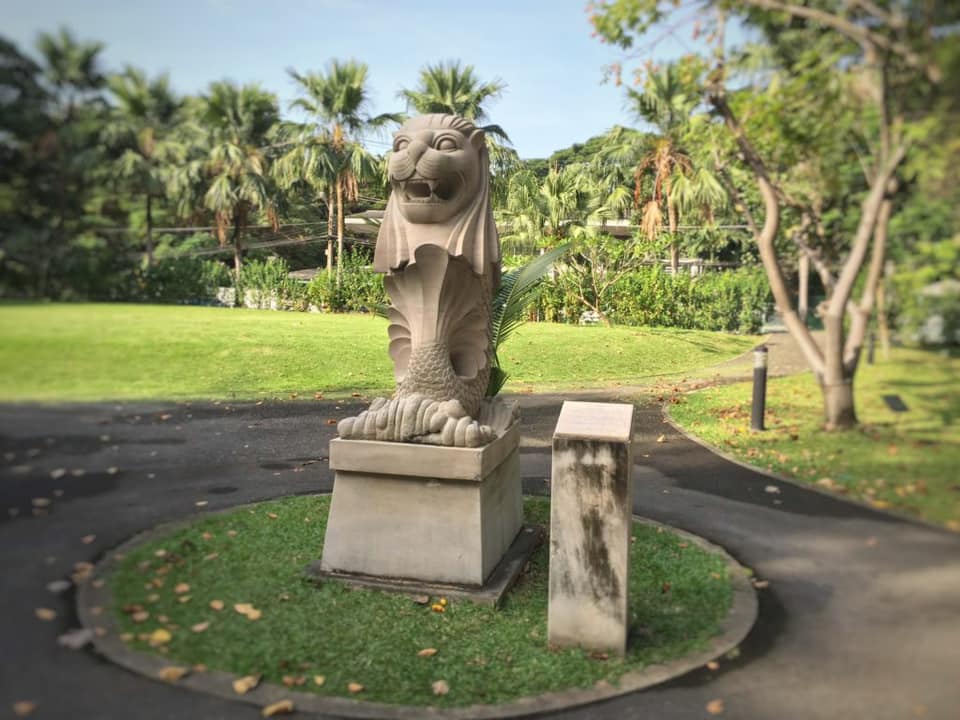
(590, 519)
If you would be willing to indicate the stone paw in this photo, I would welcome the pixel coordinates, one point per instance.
(416, 418)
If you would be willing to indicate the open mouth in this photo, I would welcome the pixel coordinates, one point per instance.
(425, 190)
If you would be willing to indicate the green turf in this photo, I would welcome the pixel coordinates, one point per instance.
(678, 595)
(89, 352)
(908, 461)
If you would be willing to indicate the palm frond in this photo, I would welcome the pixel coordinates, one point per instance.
(518, 288)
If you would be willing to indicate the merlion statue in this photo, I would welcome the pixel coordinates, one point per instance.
(439, 249)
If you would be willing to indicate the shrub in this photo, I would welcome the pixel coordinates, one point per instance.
(180, 280)
(361, 289)
(728, 300)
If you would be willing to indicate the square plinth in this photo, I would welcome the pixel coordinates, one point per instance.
(430, 514)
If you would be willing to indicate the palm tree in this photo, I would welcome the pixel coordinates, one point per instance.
(335, 103)
(142, 125)
(448, 87)
(71, 141)
(239, 121)
(667, 102)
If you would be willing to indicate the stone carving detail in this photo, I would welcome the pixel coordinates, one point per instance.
(439, 248)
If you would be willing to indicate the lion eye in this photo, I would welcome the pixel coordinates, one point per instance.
(400, 143)
(446, 143)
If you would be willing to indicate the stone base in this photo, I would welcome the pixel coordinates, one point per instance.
(422, 513)
(491, 592)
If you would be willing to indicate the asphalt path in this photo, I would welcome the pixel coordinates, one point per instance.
(860, 619)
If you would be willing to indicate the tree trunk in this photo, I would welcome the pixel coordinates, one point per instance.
(237, 263)
(674, 248)
(837, 379)
(340, 227)
(330, 221)
(803, 300)
(149, 229)
(838, 407)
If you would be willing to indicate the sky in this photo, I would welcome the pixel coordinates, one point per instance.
(542, 50)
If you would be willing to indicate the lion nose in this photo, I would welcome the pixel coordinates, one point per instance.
(416, 149)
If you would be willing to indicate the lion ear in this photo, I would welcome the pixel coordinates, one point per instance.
(478, 139)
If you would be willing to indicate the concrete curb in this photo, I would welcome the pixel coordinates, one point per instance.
(735, 627)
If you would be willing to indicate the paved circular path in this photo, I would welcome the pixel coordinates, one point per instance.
(861, 618)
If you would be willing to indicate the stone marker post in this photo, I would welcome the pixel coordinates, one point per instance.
(590, 520)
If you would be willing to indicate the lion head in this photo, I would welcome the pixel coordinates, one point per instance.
(440, 178)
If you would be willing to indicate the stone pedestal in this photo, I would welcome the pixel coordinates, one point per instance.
(424, 513)
(590, 519)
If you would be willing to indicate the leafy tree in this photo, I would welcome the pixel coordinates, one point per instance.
(882, 58)
(142, 127)
(454, 89)
(238, 121)
(336, 102)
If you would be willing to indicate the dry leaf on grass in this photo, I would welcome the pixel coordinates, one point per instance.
(421, 599)
(284, 707)
(243, 685)
(440, 687)
(217, 605)
(200, 627)
(272, 515)
(715, 707)
(181, 588)
(172, 673)
(140, 616)
(45, 614)
(159, 637)
(437, 607)
(354, 687)
(23, 708)
(427, 652)
(248, 611)
(319, 680)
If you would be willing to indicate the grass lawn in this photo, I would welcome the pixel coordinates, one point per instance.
(89, 352)
(909, 461)
(678, 592)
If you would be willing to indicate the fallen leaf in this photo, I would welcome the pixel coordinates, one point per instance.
(23, 708)
(140, 616)
(216, 605)
(599, 655)
(58, 473)
(172, 673)
(761, 584)
(662, 438)
(272, 515)
(200, 668)
(87, 539)
(245, 684)
(284, 707)
(113, 470)
(715, 707)
(713, 665)
(41, 502)
(183, 599)
(158, 637)
(160, 553)
(427, 652)
(772, 489)
(232, 533)
(319, 680)
(75, 639)
(207, 536)
(248, 610)
(200, 627)
(421, 599)
(331, 421)
(437, 607)
(440, 687)
(181, 588)
(443, 601)
(202, 503)
(354, 687)
(45, 614)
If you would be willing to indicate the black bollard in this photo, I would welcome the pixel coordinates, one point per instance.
(871, 346)
(759, 387)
